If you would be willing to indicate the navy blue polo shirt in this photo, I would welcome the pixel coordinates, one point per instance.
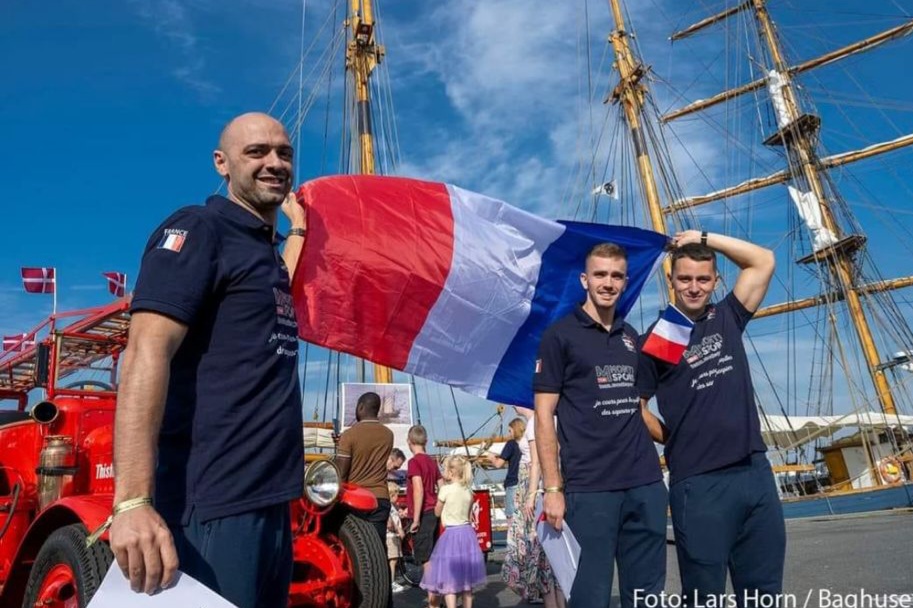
(707, 400)
(230, 440)
(605, 445)
(511, 453)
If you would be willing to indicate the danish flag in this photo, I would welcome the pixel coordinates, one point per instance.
(117, 283)
(18, 342)
(39, 280)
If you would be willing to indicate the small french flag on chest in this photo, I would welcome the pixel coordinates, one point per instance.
(669, 338)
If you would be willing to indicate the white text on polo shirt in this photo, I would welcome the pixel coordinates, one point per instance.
(612, 376)
(707, 378)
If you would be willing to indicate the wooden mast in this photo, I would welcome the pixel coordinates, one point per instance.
(362, 56)
(631, 94)
(837, 260)
(796, 137)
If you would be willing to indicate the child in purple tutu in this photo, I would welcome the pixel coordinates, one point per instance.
(457, 565)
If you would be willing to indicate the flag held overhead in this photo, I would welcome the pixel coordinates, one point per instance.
(444, 283)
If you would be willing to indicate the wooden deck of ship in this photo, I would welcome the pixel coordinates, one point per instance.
(830, 561)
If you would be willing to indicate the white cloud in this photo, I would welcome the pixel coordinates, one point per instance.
(171, 20)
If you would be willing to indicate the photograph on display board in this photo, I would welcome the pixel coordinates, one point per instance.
(395, 402)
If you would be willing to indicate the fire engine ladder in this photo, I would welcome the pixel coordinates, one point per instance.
(94, 334)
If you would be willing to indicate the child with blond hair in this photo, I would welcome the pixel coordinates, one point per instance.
(394, 535)
(457, 564)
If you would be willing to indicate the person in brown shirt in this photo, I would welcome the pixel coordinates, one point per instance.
(362, 459)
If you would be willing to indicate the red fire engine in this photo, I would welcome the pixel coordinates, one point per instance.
(57, 481)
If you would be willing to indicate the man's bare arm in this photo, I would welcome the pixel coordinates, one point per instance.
(657, 429)
(546, 444)
(297, 215)
(140, 540)
(145, 371)
(546, 438)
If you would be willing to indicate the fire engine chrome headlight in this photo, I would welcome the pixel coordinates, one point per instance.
(321, 483)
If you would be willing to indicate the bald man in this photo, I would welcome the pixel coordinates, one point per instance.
(207, 434)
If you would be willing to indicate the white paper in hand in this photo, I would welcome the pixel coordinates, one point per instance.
(563, 552)
(115, 592)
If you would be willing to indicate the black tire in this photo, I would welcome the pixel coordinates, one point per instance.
(68, 546)
(369, 562)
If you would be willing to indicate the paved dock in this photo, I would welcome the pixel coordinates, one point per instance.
(835, 562)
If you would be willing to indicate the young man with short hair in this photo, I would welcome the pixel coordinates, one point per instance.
(609, 486)
(725, 509)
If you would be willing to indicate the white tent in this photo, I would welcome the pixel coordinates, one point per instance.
(784, 432)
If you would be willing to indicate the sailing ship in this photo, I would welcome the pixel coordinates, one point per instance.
(832, 362)
(852, 370)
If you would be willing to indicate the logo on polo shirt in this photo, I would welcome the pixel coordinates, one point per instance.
(613, 376)
(629, 343)
(173, 239)
(708, 349)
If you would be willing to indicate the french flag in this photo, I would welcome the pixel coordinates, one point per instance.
(669, 338)
(444, 283)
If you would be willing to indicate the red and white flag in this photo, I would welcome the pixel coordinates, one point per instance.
(18, 342)
(117, 283)
(39, 280)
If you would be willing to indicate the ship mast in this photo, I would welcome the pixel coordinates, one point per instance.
(631, 93)
(833, 250)
(362, 56)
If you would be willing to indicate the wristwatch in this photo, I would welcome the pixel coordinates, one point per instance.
(704, 237)
(302, 232)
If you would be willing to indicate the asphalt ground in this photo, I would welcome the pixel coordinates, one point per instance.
(853, 561)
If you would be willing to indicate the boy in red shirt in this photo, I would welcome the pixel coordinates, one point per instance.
(421, 497)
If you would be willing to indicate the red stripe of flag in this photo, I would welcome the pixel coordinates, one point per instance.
(351, 291)
(39, 280)
(662, 349)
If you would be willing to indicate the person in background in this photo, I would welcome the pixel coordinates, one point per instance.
(421, 498)
(395, 536)
(526, 569)
(510, 458)
(361, 458)
(457, 564)
(395, 462)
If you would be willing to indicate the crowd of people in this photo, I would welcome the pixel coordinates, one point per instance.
(213, 337)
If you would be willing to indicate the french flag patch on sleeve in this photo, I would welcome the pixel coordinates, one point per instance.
(669, 338)
(172, 240)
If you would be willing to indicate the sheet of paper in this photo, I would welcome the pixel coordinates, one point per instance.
(115, 592)
(563, 552)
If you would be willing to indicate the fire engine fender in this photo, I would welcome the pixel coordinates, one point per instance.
(357, 498)
(90, 511)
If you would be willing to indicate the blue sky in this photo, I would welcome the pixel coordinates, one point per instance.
(109, 112)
